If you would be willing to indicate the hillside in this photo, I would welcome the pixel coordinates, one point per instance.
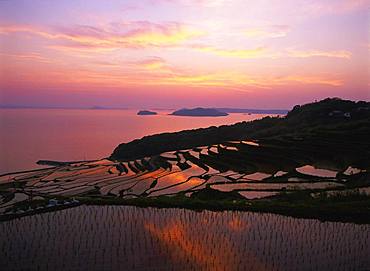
(331, 125)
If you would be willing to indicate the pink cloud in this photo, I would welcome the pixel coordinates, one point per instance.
(338, 6)
(270, 31)
(138, 34)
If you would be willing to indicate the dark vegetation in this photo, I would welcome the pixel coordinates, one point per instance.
(332, 129)
(212, 194)
(354, 207)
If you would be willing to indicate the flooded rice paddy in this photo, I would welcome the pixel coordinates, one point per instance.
(131, 238)
(173, 173)
(310, 170)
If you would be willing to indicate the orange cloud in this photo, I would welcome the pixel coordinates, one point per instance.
(235, 80)
(162, 35)
(143, 75)
(29, 56)
(242, 53)
(153, 63)
(319, 80)
(125, 35)
(241, 81)
(262, 52)
(313, 53)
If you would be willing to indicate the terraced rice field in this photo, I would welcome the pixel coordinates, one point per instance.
(131, 238)
(231, 166)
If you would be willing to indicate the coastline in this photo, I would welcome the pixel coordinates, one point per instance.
(261, 166)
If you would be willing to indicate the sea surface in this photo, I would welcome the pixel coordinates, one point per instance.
(132, 238)
(29, 135)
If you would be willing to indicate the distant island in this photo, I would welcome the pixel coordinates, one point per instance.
(98, 107)
(146, 113)
(199, 112)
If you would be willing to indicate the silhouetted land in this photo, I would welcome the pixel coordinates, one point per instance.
(314, 162)
(330, 129)
(199, 112)
(146, 113)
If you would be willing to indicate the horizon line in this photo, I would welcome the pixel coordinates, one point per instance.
(95, 107)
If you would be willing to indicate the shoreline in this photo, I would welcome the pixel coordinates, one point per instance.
(315, 172)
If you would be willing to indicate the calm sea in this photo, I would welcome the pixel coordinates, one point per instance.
(28, 135)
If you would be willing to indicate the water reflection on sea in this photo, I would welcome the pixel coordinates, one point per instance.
(28, 135)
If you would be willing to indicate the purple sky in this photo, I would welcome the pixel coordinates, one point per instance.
(175, 53)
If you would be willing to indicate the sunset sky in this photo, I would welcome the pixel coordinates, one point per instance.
(175, 53)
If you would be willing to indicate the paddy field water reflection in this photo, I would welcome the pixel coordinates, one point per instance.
(131, 238)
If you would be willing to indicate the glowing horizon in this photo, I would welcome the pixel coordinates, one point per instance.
(175, 53)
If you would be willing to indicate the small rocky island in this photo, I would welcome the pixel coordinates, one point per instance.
(199, 112)
(146, 113)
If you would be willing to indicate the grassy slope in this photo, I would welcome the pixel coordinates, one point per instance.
(305, 125)
(307, 131)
